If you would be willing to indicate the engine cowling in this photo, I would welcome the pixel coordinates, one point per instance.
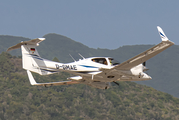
(138, 71)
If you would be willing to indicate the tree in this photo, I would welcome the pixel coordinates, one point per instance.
(56, 59)
(6, 65)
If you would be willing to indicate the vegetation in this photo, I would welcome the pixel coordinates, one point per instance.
(128, 101)
(163, 68)
(56, 59)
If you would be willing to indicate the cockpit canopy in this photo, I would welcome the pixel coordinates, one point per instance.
(113, 62)
(105, 61)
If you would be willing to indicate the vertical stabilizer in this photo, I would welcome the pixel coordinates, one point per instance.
(31, 78)
(31, 59)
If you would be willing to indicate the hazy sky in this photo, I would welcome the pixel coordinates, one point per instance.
(95, 23)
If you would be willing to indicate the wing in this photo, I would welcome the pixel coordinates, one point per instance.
(144, 56)
(33, 82)
(31, 42)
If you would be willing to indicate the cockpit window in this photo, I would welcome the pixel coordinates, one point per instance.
(113, 62)
(100, 60)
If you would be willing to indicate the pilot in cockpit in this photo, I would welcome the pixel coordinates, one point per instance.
(110, 61)
(105, 62)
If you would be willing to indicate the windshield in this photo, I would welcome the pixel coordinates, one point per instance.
(100, 60)
(113, 62)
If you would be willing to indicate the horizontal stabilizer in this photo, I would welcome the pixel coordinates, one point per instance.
(33, 82)
(30, 42)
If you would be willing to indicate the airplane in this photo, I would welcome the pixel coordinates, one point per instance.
(97, 72)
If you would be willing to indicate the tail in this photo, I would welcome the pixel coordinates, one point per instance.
(31, 59)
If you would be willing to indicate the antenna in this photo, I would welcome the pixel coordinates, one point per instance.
(72, 58)
(81, 55)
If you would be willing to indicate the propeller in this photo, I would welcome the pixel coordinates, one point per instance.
(145, 68)
(116, 83)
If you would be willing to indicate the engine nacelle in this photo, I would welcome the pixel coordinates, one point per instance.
(137, 69)
(138, 72)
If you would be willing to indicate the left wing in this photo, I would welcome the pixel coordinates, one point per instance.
(33, 82)
(144, 56)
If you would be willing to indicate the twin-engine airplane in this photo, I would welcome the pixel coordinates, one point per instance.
(97, 72)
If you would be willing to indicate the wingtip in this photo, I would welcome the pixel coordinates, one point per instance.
(159, 28)
(41, 38)
(8, 50)
(162, 34)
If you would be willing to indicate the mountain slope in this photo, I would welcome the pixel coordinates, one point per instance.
(163, 67)
(128, 101)
(7, 41)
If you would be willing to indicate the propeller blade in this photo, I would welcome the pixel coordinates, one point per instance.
(145, 68)
(116, 83)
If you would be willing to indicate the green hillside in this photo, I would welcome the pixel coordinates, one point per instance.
(128, 101)
(6, 41)
(163, 68)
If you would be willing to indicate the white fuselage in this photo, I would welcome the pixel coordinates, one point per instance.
(88, 67)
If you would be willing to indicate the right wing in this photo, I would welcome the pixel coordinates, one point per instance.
(33, 82)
